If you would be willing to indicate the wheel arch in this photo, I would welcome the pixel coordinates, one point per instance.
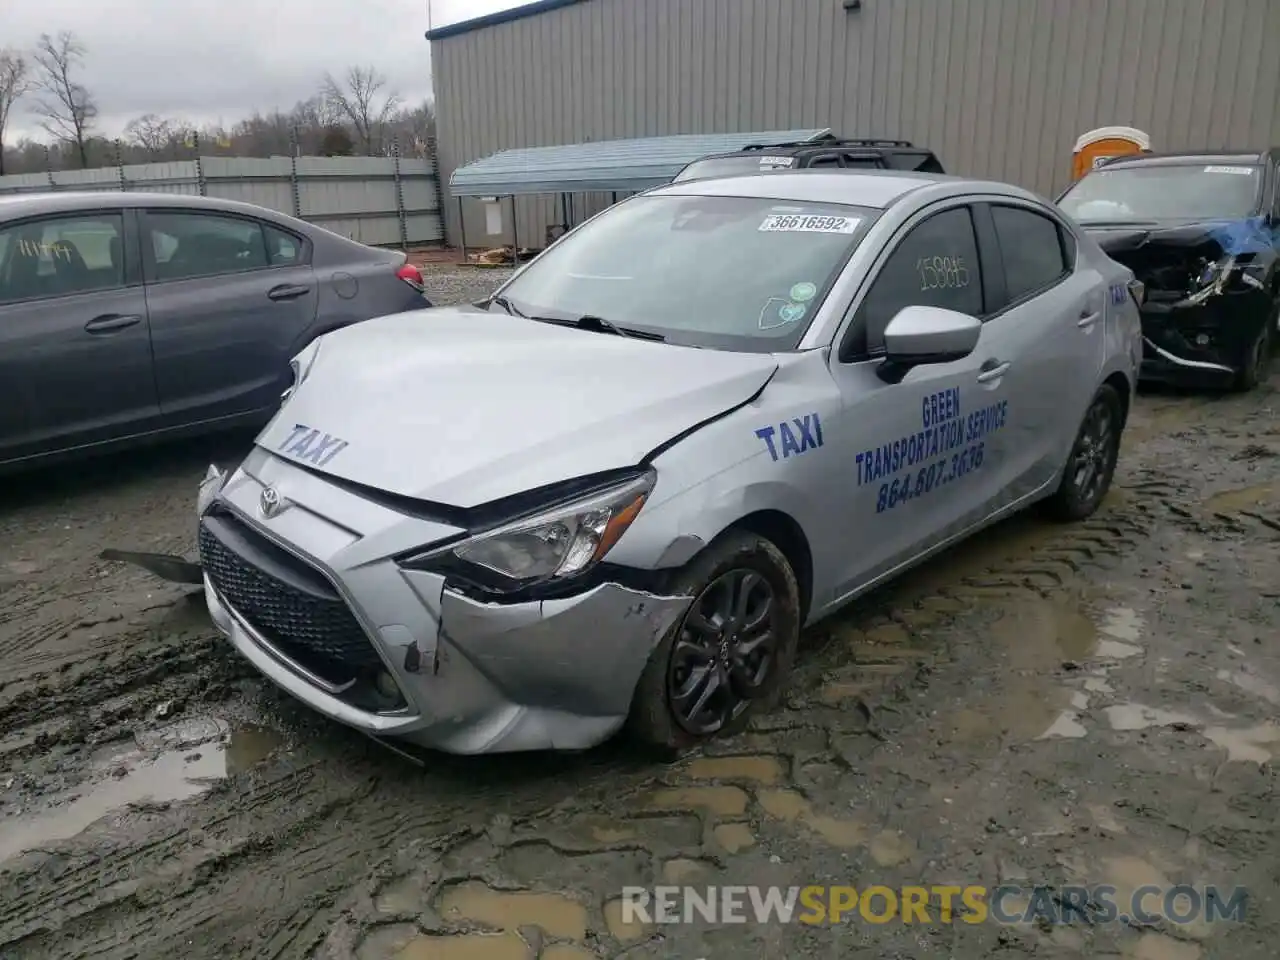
(1120, 383)
(785, 533)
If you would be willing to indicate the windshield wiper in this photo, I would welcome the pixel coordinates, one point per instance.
(600, 324)
(507, 305)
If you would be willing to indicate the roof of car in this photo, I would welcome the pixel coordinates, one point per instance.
(62, 201)
(870, 188)
(1173, 159)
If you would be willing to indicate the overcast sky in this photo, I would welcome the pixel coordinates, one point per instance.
(216, 61)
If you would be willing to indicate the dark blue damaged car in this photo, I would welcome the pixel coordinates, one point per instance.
(1201, 231)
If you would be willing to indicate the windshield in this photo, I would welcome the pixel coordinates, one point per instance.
(1165, 192)
(733, 166)
(735, 273)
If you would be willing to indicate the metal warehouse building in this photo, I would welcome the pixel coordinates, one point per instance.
(997, 88)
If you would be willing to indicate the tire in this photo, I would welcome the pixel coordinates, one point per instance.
(732, 558)
(1255, 365)
(1080, 491)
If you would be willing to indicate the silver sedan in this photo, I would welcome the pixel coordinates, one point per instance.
(614, 493)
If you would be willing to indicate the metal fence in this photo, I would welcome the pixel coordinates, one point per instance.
(376, 200)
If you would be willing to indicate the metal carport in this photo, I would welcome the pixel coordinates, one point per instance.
(601, 166)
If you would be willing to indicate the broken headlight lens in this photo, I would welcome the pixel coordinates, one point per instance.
(1209, 280)
(562, 542)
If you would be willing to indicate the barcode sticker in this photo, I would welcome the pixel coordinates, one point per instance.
(790, 223)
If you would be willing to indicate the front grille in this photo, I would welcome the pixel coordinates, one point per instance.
(287, 601)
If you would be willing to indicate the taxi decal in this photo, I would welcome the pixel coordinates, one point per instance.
(309, 445)
(790, 439)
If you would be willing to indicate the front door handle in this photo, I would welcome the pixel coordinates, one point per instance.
(1088, 318)
(993, 370)
(288, 291)
(111, 322)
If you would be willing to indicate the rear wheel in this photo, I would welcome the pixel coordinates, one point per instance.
(1255, 366)
(729, 656)
(1092, 463)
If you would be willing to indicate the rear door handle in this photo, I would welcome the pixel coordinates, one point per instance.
(1088, 318)
(993, 370)
(110, 322)
(288, 291)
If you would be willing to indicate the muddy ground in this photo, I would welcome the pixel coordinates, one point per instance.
(1045, 704)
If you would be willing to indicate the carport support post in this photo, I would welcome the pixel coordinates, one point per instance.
(564, 211)
(515, 234)
(462, 230)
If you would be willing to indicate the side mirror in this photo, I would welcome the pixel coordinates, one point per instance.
(919, 335)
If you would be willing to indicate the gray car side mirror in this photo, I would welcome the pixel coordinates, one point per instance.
(919, 335)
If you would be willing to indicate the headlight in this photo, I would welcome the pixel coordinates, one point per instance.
(1209, 281)
(300, 367)
(562, 542)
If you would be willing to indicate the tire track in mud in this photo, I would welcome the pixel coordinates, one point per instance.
(271, 865)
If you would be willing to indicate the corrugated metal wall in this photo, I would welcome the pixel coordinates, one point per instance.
(998, 88)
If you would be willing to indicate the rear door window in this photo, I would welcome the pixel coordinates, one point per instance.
(1032, 248)
(186, 245)
(61, 256)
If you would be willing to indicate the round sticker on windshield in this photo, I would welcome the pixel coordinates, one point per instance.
(791, 312)
(803, 292)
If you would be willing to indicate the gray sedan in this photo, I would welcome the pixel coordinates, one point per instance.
(617, 491)
(140, 316)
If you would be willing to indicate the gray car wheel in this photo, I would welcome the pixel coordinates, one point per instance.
(1092, 463)
(730, 654)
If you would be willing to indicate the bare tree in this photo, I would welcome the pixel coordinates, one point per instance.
(66, 105)
(14, 83)
(357, 100)
(153, 133)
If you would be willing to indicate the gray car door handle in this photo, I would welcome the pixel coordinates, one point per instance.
(110, 322)
(1088, 319)
(288, 291)
(993, 370)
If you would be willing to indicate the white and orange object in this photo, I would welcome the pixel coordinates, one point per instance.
(1094, 148)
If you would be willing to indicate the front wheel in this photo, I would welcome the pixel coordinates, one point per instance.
(1092, 463)
(1255, 366)
(730, 654)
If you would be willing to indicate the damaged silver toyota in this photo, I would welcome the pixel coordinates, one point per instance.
(613, 494)
(1201, 231)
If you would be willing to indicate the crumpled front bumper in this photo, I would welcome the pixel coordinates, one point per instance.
(1172, 333)
(475, 677)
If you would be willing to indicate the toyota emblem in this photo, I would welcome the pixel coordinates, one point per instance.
(270, 503)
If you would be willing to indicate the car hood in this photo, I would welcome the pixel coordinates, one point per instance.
(461, 406)
(1209, 238)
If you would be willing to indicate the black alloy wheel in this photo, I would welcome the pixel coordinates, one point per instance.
(723, 653)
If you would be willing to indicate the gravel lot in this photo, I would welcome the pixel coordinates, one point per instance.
(1045, 704)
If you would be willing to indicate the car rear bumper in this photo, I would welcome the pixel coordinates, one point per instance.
(399, 653)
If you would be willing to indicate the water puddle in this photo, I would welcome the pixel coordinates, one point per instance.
(1246, 498)
(167, 765)
(1135, 716)
(557, 915)
(474, 946)
(1251, 683)
(1039, 632)
(1254, 744)
(1156, 946)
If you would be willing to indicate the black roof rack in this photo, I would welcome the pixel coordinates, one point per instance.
(830, 141)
